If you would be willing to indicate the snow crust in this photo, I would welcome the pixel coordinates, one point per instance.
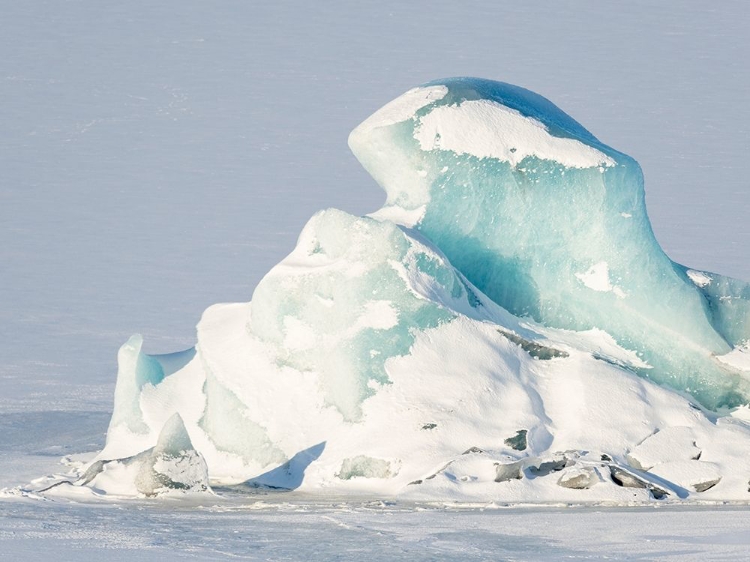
(403, 107)
(499, 293)
(738, 358)
(487, 129)
(700, 278)
(596, 278)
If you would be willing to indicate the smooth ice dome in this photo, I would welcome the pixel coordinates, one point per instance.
(505, 328)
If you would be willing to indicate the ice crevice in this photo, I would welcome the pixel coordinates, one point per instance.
(510, 302)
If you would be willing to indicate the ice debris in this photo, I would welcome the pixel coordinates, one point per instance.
(173, 463)
(518, 441)
(578, 478)
(363, 466)
(629, 479)
(509, 471)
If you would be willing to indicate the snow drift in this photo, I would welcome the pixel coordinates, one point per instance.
(505, 328)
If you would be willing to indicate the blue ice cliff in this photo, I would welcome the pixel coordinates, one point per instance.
(505, 327)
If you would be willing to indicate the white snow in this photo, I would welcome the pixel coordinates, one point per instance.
(690, 474)
(675, 443)
(487, 129)
(596, 278)
(739, 358)
(700, 278)
(403, 107)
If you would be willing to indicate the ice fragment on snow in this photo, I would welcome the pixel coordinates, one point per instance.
(628, 479)
(173, 464)
(700, 278)
(509, 471)
(578, 477)
(536, 350)
(546, 467)
(518, 441)
(363, 466)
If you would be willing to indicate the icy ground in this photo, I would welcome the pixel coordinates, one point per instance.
(147, 151)
(367, 531)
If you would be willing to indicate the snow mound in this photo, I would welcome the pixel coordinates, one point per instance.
(672, 443)
(505, 329)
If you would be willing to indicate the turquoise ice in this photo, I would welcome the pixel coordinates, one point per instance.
(351, 295)
(551, 224)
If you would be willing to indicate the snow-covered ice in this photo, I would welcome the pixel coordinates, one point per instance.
(451, 358)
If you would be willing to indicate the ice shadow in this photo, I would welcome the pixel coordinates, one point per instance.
(289, 475)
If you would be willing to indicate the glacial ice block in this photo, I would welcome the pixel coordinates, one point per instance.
(173, 464)
(135, 370)
(350, 296)
(551, 224)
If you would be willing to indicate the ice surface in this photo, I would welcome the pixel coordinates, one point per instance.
(551, 224)
(364, 467)
(173, 463)
(319, 531)
(351, 296)
(136, 370)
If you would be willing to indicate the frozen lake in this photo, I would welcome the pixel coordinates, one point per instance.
(157, 159)
(357, 531)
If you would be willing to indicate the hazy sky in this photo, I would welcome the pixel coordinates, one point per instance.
(160, 158)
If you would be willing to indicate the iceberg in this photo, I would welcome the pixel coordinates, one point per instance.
(507, 315)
